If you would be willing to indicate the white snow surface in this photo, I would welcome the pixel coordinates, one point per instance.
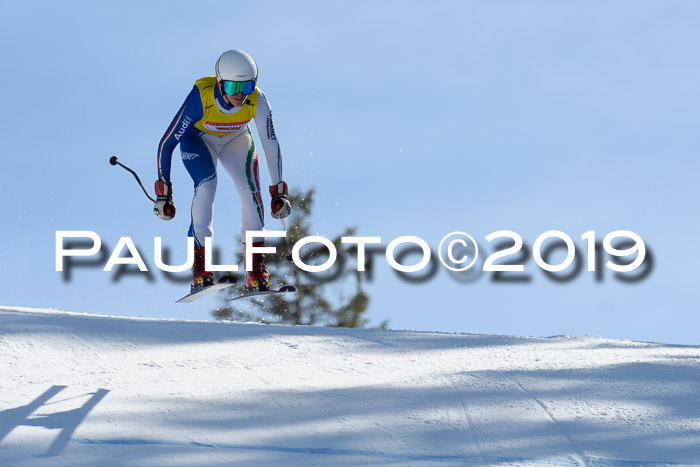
(83, 390)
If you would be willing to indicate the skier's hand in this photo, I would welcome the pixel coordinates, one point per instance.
(164, 207)
(281, 207)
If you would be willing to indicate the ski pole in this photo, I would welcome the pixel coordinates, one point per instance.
(286, 237)
(113, 160)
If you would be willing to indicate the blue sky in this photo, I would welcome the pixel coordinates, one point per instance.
(408, 120)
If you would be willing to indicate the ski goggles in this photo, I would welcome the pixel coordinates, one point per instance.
(234, 87)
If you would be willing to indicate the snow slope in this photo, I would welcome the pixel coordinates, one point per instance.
(88, 390)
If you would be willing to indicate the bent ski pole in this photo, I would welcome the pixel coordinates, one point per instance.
(113, 160)
(286, 237)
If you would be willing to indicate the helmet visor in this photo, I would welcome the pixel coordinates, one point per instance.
(234, 87)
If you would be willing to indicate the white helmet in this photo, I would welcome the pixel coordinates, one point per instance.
(236, 65)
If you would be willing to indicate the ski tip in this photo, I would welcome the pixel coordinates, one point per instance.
(287, 288)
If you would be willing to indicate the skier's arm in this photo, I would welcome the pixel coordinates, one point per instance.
(189, 113)
(266, 131)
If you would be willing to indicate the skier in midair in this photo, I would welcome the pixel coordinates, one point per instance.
(211, 126)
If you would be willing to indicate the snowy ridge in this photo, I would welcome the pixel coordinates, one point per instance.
(85, 389)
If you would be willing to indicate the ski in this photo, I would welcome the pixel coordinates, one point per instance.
(283, 289)
(224, 282)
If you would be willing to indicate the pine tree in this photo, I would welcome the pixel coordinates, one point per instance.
(311, 304)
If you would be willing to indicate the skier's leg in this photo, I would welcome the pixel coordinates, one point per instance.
(201, 165)
(241, 162)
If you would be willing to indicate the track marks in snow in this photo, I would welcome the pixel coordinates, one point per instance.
(582, 457)
(471, 426)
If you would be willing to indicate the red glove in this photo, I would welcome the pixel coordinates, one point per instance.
(164, 207)
(281, 207)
